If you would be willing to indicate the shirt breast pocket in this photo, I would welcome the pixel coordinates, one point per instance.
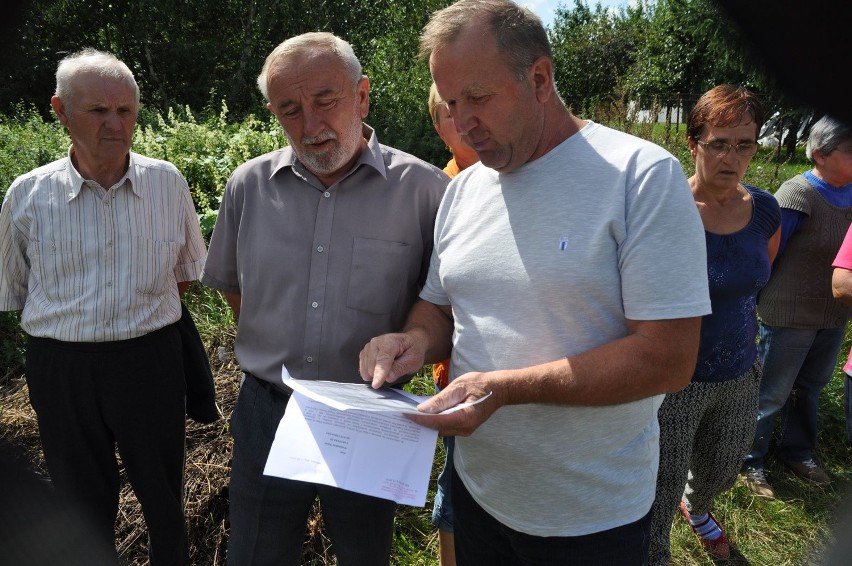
(58, 268)
(154, 265)
(379, 275)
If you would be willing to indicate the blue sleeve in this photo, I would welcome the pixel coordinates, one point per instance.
(767, 213)
(791, 220)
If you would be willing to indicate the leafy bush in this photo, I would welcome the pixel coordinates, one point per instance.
(206, 152)
(27, 142)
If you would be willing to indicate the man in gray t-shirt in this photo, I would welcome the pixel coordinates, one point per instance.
(569, 277)
(317, 247)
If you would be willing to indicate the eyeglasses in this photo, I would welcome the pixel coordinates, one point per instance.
(720, 149)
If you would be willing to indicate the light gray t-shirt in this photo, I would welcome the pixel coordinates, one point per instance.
(549, 261)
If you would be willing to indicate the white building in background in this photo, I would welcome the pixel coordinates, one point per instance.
(678, 115)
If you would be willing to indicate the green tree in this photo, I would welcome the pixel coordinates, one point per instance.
(199, 54)
(593, 50)
(399, 83)
(661, 54)
(690, 46)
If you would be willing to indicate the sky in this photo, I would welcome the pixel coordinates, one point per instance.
(546, 9)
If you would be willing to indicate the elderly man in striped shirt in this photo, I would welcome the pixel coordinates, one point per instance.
(95, 249)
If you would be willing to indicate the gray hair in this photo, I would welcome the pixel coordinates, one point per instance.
(826, 135)
(307, 41)
(520, 35)
(93, 61)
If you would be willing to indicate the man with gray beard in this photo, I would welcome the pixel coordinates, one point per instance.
(317, 247)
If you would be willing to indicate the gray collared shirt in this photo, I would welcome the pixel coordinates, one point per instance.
(87, 264)
(322, 271)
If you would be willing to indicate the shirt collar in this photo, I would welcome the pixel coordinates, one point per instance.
(371, 156)
(77, 181)
(818, 182)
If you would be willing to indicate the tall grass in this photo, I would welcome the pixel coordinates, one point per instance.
(788, 530)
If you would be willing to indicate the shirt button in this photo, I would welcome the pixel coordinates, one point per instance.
(315, 304)
(109, 284)
(326, 194)
(309, 359)
(320, 249)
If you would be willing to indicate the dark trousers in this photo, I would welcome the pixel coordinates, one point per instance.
(268, 515)
(93, 397)
(481, 539)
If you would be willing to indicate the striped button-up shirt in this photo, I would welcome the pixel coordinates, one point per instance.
(88, 264)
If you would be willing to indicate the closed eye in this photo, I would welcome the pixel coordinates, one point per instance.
(291, 112)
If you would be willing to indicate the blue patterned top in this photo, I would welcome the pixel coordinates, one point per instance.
(737, 269)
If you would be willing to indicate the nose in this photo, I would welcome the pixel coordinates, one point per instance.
(463, 119)
(732, 156)
(313, 122)
(113, 121)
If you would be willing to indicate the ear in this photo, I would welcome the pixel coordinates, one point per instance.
(364, 96)
(541, 75)
(693, 147)
(60, 110)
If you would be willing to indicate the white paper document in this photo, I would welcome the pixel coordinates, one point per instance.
(345, 396)
(356, 438)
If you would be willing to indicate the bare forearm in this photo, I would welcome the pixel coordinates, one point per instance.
(655, 358)
(233, 300)
(434, 325)
(183, 286)
(841, 285)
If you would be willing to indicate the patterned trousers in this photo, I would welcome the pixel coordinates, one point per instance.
(705, 431)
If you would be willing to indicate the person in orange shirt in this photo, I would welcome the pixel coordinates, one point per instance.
(463, 156)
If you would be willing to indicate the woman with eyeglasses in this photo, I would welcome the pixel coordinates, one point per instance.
(801, 325)
(706, 429)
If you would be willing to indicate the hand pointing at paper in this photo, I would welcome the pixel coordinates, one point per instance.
(426, 339)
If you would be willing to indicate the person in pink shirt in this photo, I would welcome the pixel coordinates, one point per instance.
(841, 288)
